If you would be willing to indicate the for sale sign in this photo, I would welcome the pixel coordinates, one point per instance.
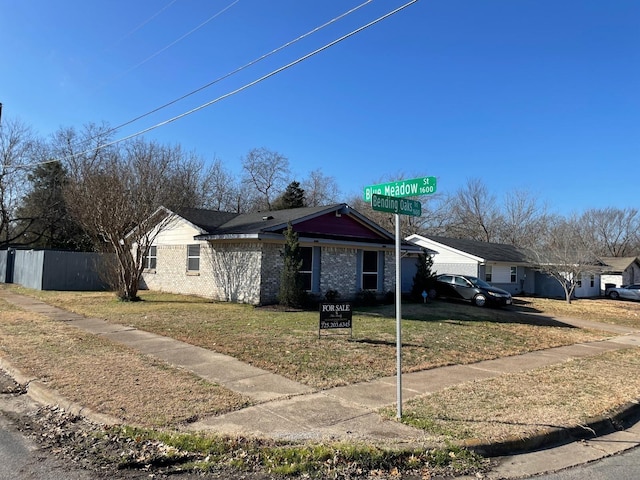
(335, 315)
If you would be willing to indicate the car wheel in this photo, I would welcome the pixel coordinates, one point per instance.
(614, 295)
(480, 300)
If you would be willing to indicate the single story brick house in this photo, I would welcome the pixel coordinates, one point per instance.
(237, 257)
(504, 266)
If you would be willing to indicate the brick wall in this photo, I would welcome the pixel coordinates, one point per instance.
(338, 271)
(271, 272)
(236, 270)
(250, 273)
(171, 274)
(227, 272)
(389, 280)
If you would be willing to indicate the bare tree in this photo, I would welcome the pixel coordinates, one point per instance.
(612, 232)
(115, 194)
(524, 221)
(267, 172)
(221, 190)
(16, 148)
(565, 255)
(320, 190)
(474, 213)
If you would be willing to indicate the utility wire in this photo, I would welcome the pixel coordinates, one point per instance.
(238, 90)
(147, 21)
(239, 69)
(193, 30)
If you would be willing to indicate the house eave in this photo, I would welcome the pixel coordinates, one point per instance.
(433, 245)
(230, 236)
(278, 238)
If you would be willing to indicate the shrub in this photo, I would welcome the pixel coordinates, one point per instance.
(366, 298)
(331, 295)
(424, 280)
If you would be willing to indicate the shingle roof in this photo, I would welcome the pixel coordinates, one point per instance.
(261, 222)
(213, 222)
(493, 252)
(207, 220)
(618, 264)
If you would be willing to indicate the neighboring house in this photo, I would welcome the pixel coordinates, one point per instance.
(238, 257)
(619, 271)
(502, 265)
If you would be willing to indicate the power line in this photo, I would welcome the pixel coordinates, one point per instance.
(147, 20)
(193, 30)
(238, 90)
(239, 69)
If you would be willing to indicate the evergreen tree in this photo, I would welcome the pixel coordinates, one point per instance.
(292, 197)
(424, 280)
(292, 293)
(43, 212)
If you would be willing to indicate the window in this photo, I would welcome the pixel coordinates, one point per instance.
(579, 282)
(592, 280)
(488, 272)
(514, 274)
(369, 270)
(445, 279)
(306, 270)
(193, 258)
(150, 258)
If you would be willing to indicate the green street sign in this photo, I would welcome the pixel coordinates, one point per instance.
(402, 206)
(404, 188)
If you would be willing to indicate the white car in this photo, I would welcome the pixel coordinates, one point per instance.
(630, 292)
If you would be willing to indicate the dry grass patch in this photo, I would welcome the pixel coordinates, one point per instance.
(106, 377)
(287, 343)
(619, 312)
(519, 405)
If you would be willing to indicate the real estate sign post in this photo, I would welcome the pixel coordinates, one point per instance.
(389, 197)
(335, 315)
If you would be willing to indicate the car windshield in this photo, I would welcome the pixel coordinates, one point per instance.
(479, 283)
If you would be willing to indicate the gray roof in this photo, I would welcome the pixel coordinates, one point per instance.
(270, 221)
(490, 252)
(618, 264)
(217, 224)
(207, 220)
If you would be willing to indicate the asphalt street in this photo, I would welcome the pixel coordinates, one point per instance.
(625, 466)
(21, 459)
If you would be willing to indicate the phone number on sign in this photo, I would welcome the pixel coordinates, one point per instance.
(342, 324)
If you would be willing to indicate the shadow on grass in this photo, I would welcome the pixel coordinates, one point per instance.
(462, 313)
(386, 343)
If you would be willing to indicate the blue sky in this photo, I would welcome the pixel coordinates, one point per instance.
(537, 95)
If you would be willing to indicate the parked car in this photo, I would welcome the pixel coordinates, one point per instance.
(630, 292)
(465, 287)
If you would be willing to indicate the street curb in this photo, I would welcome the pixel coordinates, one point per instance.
(40, 393)
(620, 419)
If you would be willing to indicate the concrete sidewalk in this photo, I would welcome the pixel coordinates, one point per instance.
(288, 410)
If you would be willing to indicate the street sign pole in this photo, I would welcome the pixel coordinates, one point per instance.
(398, 320)
(390, 197)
